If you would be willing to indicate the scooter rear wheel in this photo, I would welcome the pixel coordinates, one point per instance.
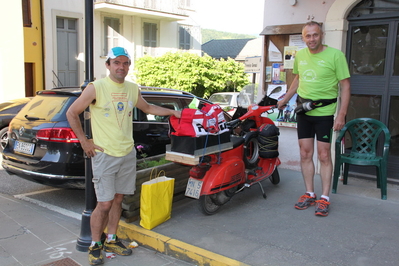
(275, 177)
(207, 206)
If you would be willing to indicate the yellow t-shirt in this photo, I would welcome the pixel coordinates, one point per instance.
(111, 116)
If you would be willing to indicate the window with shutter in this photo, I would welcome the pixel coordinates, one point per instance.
(150, 34)
(111, 33)
(184, 38)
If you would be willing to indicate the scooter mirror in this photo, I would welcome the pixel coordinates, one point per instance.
(275, 90)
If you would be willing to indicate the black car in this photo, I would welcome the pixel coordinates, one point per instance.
(43, 148)
(8, 110)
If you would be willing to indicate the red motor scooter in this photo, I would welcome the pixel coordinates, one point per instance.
(253, 158)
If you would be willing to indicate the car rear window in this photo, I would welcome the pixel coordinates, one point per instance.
(47, 107)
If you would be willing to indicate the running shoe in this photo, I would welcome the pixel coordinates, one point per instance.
(305, 201)
(116, 246)
(95, 255)
(322, 207)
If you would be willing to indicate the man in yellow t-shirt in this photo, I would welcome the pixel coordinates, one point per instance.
(319, 69)
(111, 102)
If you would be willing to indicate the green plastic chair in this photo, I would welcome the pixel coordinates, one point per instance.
(364, 133)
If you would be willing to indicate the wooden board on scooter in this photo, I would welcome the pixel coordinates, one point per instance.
(189, 159)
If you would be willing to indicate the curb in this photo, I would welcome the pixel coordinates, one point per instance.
(173, 247)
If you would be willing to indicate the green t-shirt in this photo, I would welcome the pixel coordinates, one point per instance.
(319, 75)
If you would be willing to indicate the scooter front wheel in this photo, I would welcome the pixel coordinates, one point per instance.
(275, 177)
(207, 205)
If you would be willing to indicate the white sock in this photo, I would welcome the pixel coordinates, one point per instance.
(325, 197)
(111, 237)
(311, 194)
(94, 242)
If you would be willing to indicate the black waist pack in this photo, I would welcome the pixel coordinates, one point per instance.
(305, 105)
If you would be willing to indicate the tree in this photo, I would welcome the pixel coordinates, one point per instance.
(201, 76)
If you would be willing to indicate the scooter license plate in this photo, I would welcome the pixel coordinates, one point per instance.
(193, 188)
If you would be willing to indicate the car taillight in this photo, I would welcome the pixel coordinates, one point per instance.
(48, 92)
(62, 134)
(199, 171)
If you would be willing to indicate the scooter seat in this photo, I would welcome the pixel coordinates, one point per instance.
(237, 140)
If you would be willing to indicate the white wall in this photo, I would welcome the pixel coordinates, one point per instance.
(12, 77)
(283, 13)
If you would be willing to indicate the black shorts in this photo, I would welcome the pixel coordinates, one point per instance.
(309, 126)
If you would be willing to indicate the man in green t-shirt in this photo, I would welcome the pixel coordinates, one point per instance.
(319, 70)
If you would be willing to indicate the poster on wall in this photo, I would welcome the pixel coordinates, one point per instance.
(268, 74)
(287, 116)
(278, 74)
(289, 56)
(296, 40)
(274, 53)
(277, 95)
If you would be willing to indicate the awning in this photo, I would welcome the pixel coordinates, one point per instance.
(282, 29)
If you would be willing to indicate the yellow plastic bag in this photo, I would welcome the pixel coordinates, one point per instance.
(156, 200)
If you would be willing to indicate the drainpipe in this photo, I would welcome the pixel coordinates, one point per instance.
(84, 239)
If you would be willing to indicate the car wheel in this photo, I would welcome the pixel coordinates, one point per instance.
(3, 138)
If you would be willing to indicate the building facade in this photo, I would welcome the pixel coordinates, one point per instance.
(47, 39)
(367, 32)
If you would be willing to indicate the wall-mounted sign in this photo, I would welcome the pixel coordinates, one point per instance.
(252, 64)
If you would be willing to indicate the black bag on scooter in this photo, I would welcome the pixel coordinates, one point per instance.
(268, 141)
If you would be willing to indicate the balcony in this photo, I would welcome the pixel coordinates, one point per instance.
(167, 9)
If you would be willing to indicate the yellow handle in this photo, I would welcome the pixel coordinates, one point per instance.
(159, 174)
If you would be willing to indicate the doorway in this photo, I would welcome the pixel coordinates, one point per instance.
(67, 52)
(29, 79)
(373, 56)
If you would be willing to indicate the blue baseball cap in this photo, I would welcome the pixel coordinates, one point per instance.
(117, 51)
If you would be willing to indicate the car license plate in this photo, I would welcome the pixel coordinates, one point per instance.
(193, 188)
(24, 147)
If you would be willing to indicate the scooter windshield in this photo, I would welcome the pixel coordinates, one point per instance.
(248, 95)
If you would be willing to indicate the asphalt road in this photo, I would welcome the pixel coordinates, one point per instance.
(67, 201)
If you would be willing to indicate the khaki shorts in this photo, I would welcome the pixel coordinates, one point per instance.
(113, 175)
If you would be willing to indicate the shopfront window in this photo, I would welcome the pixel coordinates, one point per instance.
(364, 106)
(368, 50)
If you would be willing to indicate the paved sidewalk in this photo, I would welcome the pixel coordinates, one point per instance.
(33, 235)
(361, 230)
